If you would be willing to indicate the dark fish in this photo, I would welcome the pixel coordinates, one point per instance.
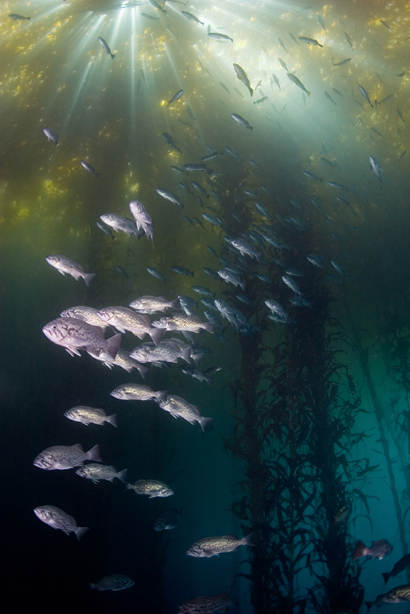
(349, 40)
(155, 273)
(168, 520)
(342, 62)
(399, 567)
(105, 46)
(399, 594)
(282, 44)
(183, 271)
(122, 271)
(116, 582)
(17, 17)
(400, 114)
(206, 605)
(156, 5)
(297, 82)
(148, 16)
(195, 167)
(176, 97)
(242, 76)
(328, 96)
(170, 141)
(379, 549)
(224, 87)
(365, 95)
(310, 41)
(276, 80)
(343, 514)
(293, 38)
(191, 17)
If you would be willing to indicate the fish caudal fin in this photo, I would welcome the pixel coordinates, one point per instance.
(94, 454)
(79, 532)
(113, 344)
(88, 277)
(360, 550)
(208, 326)
(112, 419)
(122, 475)
(386, 577)
(112, 55)
(161, 396)
(207, 424)
(248, 540)
(156, 334)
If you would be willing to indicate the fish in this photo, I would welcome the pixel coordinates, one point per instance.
(195, 167)
(170, 141)
(153, 304)
(321, 22)
(106, 230)
(169, 350)
(75, 334)
(379, 549)
(282, 44)
(149, 16)
(181, 270)
(276, 80)
(298, 82)
(283, 64)
(155, 273)
(184, 322)
(310, 41)
(343, 62)
(180, 408)
(96, 472)
(385, 24)
(105, 46)
(375, 168)
(90, 415)
(167, 520)
(400, 594)
(142, 219)
(192, 17)
(337, 185)
(343, 514)
(349, 40)
(400, 566)
(16, 17)
(233, 153)
(86, 314)
(223, 38)
(169, 196)
(116, 582)
(56, 518)
(261, 100)
(241, 121)
(204, 291)
(231, 278)
(312, 176)
(122, 359)
(200, 189)
(89, 168)
(152, 488)
(242, 76)
(196, 373)
(190, 113)
(61, 458)
(138, 392)
(176, 97)
(291, 284)
(51, 135)
(206, 605)
(214, 546)
(66, 265)
(122, 271)
(124, 319)
(328, 96)
(245, 248)
(119, 222)
(400, 114)
(157, 5)
(176, 169)
(365, 95)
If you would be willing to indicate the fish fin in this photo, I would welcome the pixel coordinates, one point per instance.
(88, 277)
(122, 475)
(208, 326)
(207, 424)
(143, 371)
(107, 364)
(386, 577)
(79, 447)
(248, 540)
(112, 419)
(156, 334)
(94, 454)
(161, 396)
(112, 55)
(72, 352)
(186, 354)
(360, 550)
(175, 304)
(79, 532)
(113, 344)
(197, 358)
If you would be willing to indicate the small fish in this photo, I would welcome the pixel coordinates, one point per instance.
(375, 168)
(346, 61)
(142, 219)
(156, 5)
(337, 185)
(184, 322)
(118, 222)
(297, 82)
(169, 350)
(89, 168)
(242, 76)
(312, 176)
(122, 271)
(379, 549)
(200, 189)
(385, 24)
(241, 121)
(220, 37)
(155, 273)
(400, 566)
(105, 46)
(261, 100)
(400, 114)
(124, 319)
(170, 141)
(169, 196)
(181, 270)
(191, 17)
(400, 594)
(321, 22)
(214, 546)
(293, 38)
(180, 408)
(196, 374)
(176, 169)
(51, 135)
(310, 41)
(95, 473)
(149, 16)
(90, 415)
(365, 95)
(195, 167)
(282, 44)
(189, 111)
(61, 458)
(328, 96)
(17, 17)
(283, 64)
(142, 75)
(66, 265)
(106, 229)
(117, 582)
(168, 520)
(153, 304)
(291, 284)
(57, 519)
(176, 97)
(349, 40)
(389, 97)
(204, 291)
(152, 488)
(276, 80)
(343, 514)
(337, 92)
(206, 605)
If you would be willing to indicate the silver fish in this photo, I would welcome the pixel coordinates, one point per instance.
(166, 351)
(191, 17)
(89, 168)
(65, 457)
(182, 321)
(169, 196)
(152, 488)
(122, 359)
(86, 314)
(124, 319)
(118, 222)
(57, 519)
(223, 38)
(180, 408)
(242, 76)
(95, 472)
(105, 46)
(241, 121)
(176, 97)
(214, 546)
(66, 265)
(116, 582)
(138, 392)
(90, 415)
(153, 304)
(231, 278)
(142, 219)
(310, 41)
(75, 334)
(51, 135)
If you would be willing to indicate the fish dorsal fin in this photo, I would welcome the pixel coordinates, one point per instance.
(78, 447)
(231, 536)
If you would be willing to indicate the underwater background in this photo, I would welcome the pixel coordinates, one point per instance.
(309, 394)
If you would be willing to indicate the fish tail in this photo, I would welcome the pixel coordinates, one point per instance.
(386, 577)
(248, 540)
(79, 532)
(122, 475)
(112, 55)
(207, 424)
(113, 344)
(308, 93)
(143, 371)
(360, 550)
(88, 277)
(161, 396)
(94, 454)
(112, 419)
(156, 334)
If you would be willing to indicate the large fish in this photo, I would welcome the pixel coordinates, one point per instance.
(400, 566)
(117, 582)
(152, 488)
(400, 594)
(60, 458)
(378, 550)
(180, 408)
(124, 319)
(74, 335)
(66, 265)
(57, 519)
(214, 546)
(206, 605)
